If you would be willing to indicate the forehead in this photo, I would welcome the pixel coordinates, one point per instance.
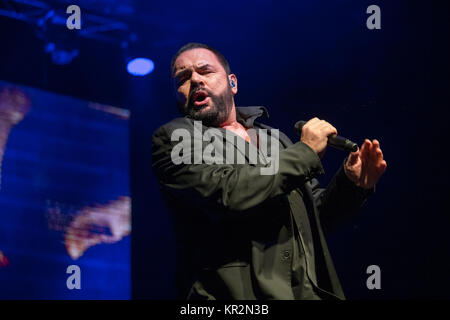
(196, 58)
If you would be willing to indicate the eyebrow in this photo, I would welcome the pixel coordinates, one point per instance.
(186, 71)
(206, 66)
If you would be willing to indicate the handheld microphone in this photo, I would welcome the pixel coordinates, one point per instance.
(334, 140)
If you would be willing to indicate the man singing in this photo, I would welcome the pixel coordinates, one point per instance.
(242, 234)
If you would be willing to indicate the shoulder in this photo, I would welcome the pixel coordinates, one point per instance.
(165, 131)
(177, 123)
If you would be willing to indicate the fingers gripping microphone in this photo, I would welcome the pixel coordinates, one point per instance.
(334, 141)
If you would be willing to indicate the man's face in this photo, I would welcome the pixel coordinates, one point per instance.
(203, 87)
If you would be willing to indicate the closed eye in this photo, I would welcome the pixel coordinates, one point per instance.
(205, 70)
(180, 81)
(182, 77)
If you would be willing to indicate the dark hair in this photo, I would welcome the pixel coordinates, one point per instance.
(195, 45)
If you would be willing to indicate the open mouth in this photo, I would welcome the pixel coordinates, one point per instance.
(200, 98)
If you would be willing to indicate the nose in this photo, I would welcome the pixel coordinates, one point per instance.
(197, 79)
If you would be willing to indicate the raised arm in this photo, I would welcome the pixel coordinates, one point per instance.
(231, 187)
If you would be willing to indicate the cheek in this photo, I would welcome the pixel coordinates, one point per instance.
(182, 93)
(218, 84)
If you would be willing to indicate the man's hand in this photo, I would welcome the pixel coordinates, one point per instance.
(315, 134)
(365, 166)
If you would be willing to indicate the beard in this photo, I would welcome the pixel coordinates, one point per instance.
(219, 107)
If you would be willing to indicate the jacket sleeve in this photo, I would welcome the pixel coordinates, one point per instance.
(227, 186)
(339, 201)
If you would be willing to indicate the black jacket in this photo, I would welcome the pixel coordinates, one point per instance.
(243, 235)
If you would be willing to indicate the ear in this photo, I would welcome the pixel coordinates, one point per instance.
(232, 77)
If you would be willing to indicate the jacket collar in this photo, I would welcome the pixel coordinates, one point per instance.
(247, 115)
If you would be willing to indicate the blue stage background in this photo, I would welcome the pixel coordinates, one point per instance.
(300, 59)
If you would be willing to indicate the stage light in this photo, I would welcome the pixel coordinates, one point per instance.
(61, 54)
(140, 66)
